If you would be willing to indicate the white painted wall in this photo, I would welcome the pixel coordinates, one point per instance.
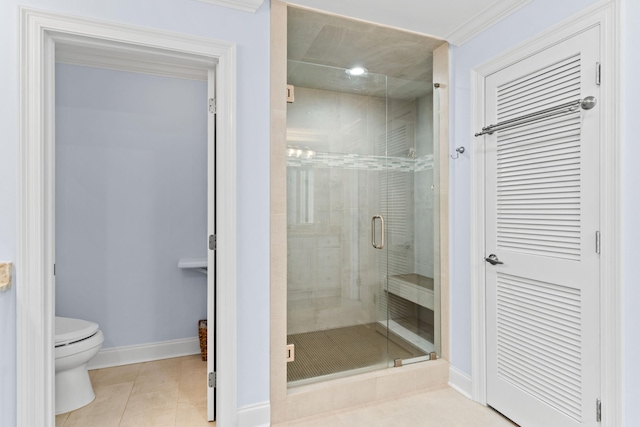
(251, 33)
(131, 200)
(630, 211)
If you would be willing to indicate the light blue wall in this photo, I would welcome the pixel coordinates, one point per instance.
(8, 205)
(630, 85)
(131, 199)
(251, 34)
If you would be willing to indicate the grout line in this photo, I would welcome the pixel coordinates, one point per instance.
(175, 409)
(129, 397)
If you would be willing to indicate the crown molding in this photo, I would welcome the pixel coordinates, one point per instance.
(483, 20)
(245, 5)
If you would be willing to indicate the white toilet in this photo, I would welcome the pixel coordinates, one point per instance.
(76, 341)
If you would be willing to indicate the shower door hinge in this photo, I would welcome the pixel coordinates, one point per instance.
(598, 73)
(213, 242)
(291, 353)
(598, 410)
(213, 106)
(290, 94)
(213, 380)
(597, 242)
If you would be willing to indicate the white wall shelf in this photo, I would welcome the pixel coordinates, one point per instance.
(197, 264)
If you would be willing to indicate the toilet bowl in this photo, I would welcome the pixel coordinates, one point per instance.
(76, 342)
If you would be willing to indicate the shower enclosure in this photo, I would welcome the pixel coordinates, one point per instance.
(362, 223)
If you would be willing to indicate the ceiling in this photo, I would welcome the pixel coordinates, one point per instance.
(453, 20)
(321, 46)
(394, 41)
(400, 59)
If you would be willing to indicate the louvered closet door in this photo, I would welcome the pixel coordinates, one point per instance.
(542, 215)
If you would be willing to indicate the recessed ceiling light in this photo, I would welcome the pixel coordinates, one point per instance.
(357, 71)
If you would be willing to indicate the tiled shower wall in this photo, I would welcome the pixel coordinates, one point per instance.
(337, 178)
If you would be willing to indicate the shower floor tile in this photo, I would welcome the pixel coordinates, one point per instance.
(321, 353)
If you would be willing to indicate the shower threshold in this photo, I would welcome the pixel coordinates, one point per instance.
(409, 336)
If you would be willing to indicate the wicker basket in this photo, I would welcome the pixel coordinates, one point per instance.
(202, 333)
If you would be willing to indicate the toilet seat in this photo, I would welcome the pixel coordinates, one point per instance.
(69, 331)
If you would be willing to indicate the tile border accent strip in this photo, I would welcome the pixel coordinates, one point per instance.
(362, 162)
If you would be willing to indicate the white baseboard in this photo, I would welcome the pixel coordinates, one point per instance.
(255, 415)
(460, 381)
(118, 356)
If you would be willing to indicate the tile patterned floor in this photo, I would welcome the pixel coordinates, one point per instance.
(172, 392)
(164, 393)
(440, 408)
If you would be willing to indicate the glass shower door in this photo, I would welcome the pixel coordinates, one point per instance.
(336, 163)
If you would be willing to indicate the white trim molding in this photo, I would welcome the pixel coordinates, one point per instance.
(477, 243)
(460, 381)
(605, 15)
(41, 34)
(118, 356)
(244, 5)
(483, 20)
(255, 415)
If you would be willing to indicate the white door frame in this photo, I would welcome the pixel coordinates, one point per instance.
(40, 31)
(605, 14)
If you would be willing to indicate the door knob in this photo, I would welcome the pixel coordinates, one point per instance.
(493, 259)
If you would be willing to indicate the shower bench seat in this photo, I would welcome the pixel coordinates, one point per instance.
(413, 287)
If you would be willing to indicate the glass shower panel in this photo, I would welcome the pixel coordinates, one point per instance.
(412, 297)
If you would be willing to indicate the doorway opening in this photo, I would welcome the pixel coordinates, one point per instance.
(368, 386)
(44, 36)
(363, 200)
(130, 202)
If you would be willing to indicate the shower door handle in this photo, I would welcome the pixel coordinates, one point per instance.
(373, 231)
